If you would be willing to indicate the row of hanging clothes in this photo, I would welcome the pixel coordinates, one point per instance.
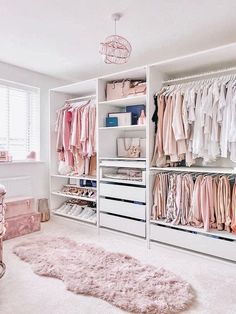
(195, 120)
(201, 200)
(76, 137)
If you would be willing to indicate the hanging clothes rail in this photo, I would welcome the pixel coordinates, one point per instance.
(199, 118)
(195, 76)
(76, 136)
(81, 98)
(198, 200)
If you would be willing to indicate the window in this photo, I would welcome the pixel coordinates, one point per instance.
(19, 120)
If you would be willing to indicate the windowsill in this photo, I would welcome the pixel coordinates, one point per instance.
(16, 162)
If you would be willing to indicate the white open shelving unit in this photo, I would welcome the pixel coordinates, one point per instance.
(116, 207)
(84, 90)
(125, 206)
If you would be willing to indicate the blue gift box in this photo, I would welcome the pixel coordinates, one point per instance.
(111, 121)
(135, 111)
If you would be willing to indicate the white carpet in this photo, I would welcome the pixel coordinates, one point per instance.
(23, 292)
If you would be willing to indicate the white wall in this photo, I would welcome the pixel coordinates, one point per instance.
(38, 172)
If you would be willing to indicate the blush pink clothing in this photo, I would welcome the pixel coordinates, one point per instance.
(178, 124)
(169, 142)
(204, 202)
(196, 212)
(158, 155)
(233, 209)
(198, 121)
(76, 134)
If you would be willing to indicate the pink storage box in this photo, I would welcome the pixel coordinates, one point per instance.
(21, 225)
(18, 206)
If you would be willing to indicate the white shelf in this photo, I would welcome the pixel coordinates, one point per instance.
(125, 128)
(75, 197)
(81, 187)
(82, 88)
(212, 232)
(196, 169)
(122, 181)
(123, 163)
(73, 217)
(74, 177)
(123, 158)
(123, 102)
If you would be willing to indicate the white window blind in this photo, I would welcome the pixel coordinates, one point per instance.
(19, 120)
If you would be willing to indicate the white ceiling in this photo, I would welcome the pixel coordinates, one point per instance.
(61, 38)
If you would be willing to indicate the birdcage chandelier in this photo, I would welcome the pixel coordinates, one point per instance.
(115, 49)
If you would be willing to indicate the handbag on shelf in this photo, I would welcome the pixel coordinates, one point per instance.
(117, 89)
(128, 147)
(143, 147)
(137, 88)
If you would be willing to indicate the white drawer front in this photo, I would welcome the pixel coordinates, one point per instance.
(123, 163)
(123, 208)
(195, 242)
(131, 193)
(122, 224)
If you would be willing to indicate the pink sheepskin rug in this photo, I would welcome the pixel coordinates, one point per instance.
(117, 278)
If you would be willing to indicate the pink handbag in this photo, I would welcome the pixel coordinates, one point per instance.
(117, 89)
(137, 88)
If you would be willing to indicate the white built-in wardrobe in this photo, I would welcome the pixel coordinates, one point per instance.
(124, 206)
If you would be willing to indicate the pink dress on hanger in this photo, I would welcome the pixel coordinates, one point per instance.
(178, 124)
(169, 142)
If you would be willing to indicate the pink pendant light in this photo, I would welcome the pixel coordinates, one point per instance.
(115, 49)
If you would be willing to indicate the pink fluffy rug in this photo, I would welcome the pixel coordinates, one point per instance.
(117, 278)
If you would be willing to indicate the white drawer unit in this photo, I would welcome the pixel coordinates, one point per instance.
(122, 224)
(127, 209)
(130, 193)
(123, 163)
(194, 242)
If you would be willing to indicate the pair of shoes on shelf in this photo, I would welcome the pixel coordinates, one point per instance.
(75, 210)
(81, 210)
(86, 213)
(93, 218)
(60, 208)
(64, 208)
(78, 191)
(89, 193)
(92, 194)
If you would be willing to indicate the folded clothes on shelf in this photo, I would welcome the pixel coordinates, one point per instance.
(125, 174)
